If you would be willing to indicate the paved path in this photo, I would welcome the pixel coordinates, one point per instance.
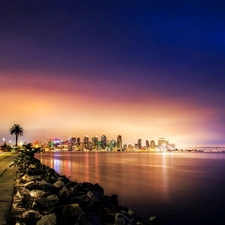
(7, 178)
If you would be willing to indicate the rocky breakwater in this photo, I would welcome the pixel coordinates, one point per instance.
(44, 197)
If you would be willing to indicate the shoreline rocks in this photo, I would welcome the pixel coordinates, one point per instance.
(44, 197)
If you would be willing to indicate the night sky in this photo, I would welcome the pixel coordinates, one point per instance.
(141, 69)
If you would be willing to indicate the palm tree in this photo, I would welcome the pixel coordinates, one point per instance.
(17, 130)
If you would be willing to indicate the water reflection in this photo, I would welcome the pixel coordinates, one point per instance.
(179, 187)
(164, 177)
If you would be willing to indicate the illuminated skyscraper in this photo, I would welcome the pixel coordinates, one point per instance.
(119, 142)
(163, 141)
(147, 144)
(95, 142)
(124, 147)
(152, 144)
(103, 142)
(86, 141)
(139, 144)
(78, 141)
(113, 143)
(73, 141)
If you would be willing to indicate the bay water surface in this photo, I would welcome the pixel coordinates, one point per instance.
(181, 188)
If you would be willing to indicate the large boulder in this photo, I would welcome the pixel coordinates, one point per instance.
(95, 196)
(49, 219)
(88, 219)
(154, 220)
(59, 184)
(73, 210)
(123, 219)
(49, 187)
(48, 202)
(32, 214)
(38, 193)
(30, 217)
(32, 185)
(92, 187)
(28, 178)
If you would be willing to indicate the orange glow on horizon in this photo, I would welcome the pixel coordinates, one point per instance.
(62, 108)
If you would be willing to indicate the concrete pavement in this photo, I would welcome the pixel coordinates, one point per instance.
(7, 178)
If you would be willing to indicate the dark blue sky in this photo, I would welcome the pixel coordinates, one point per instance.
(175, 37)
(169, 49)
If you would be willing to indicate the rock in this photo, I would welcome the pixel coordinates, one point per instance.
(122, 219)
(92, 187)
(71, 184)
(114, 200)
(107, 217)
(154, 220)
(59, 184)
(64, 179)
(88, 219)
(49, 201)
(49, 219)
(46, 186)
(31, 214)
(31, 166)
(30, 217)
(43, 183)
(64, 194)
(131, 212)
(32, 185)
(73, 210)
(38, 193)
(24, 191)
(28, 178)
(94, 196)
(98, 188)
(18, 195)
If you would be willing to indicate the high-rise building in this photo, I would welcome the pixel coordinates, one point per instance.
(129, 146)
(124, 147)
(163, 141)
(152, 144)
(103, 142)
(86, 141)
(139, 144)
(73, 141)
(78, 141)
(113, 143)
(50, 143)
(147, 144)
(119, 142)
(95, 142)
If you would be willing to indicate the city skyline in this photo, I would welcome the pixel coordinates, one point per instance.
(141, 70)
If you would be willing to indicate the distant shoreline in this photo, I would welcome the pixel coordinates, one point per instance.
(144, 151)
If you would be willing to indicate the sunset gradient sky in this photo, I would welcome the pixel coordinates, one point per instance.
(141, 69)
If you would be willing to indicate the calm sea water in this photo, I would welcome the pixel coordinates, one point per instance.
(179, 188)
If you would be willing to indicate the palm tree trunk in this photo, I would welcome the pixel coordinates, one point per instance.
(16, 139)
